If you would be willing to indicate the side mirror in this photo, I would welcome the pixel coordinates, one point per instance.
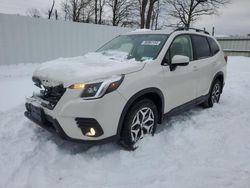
(180, 60)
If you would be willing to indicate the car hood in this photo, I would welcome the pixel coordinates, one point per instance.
(84, 69)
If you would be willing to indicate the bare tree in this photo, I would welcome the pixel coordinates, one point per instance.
(50, 11)
(102, 3)
(149, 13)
(88, 13)
(98, 10)
(56, 15)
(155, 16)
(66, 9)
(33, 12)
(146, 8)
(75, 9)
(188, 11)
(121, 10)
(142, 6)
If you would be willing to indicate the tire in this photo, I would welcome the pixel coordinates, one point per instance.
(214, 95)
(134, 129)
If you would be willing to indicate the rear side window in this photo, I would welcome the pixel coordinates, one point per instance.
(214, 46)
(201, 47)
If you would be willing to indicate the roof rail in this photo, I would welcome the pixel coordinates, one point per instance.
(195, 29)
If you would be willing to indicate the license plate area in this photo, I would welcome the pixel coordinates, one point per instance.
(36, 113)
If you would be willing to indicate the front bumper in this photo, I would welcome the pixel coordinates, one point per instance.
(72, 115)
(37, 115)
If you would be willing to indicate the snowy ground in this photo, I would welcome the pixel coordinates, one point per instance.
(198, 148)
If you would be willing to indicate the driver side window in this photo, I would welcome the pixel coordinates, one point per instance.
(182, 45)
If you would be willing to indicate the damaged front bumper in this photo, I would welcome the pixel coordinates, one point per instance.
(37, 114)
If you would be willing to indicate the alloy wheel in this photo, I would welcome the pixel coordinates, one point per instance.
(216, 93)
(142, 124)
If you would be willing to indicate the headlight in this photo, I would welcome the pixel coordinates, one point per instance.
(90, 90)
(99, 89)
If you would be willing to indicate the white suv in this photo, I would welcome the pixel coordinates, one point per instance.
(124, 89)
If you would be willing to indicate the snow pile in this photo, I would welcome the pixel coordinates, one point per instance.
(141, 30)
(9, 72)
(16, 83)
(85, 68)
(198, 148)
(113, 54)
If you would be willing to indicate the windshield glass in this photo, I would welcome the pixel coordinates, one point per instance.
(140, 47)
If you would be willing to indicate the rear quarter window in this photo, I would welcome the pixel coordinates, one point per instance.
(214, 46)
(201, 47)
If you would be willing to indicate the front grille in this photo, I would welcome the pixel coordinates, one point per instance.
(52, 95)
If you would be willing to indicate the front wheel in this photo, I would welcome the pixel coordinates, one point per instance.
(140, 121)
(214, 95)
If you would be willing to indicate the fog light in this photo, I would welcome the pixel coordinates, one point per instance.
(89, 127)
(91, 132)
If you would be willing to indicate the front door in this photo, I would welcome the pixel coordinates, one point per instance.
(180, 84)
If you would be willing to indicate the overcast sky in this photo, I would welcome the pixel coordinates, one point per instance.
(234, 19)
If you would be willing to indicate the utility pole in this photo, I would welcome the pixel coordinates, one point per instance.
(213, 31)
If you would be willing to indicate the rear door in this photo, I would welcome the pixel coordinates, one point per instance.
(203, 64)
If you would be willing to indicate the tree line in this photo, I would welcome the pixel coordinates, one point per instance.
(149, 14)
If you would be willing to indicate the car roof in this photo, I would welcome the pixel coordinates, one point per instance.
(148, 31)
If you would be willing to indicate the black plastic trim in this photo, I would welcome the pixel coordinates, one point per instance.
(192, 28)
(186, 106)
(86, 123)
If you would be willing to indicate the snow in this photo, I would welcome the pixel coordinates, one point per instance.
(198, 148)
(140, 30)
(15, 82)
(86, 68)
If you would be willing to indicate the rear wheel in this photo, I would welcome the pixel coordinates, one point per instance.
(214, 96)
(140, 121)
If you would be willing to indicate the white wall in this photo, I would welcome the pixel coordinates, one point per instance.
(31, 40)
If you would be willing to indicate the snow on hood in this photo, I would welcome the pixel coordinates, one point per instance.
(90, 67)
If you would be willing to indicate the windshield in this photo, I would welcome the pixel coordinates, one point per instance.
(139, 47)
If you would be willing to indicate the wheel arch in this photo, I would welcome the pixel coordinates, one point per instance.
(219, 76)
(153, 94)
